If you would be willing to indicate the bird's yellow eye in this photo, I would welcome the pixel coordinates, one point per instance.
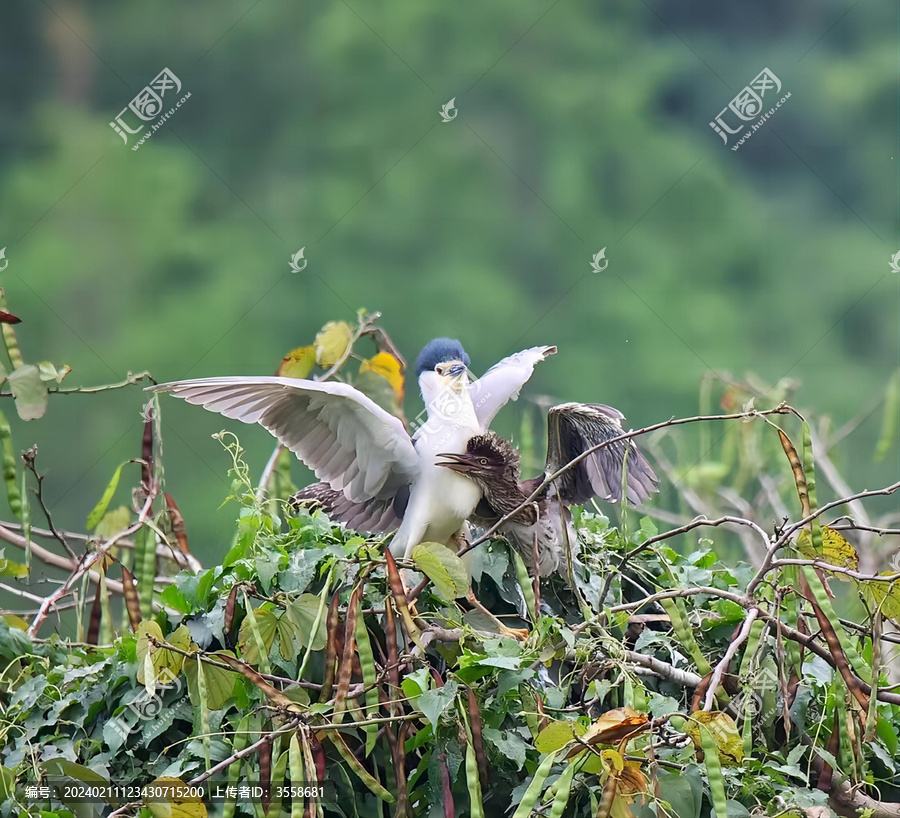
(483, 461)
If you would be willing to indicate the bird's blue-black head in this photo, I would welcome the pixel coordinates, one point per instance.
(438, 351)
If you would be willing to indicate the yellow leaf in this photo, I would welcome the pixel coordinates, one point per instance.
(556, 735)
(157, 664)
(886, 594)
(835, 548)
(388, 367)
(298, 363)
(723, 731)
(332, 343)
(15, 622)
(172, 798)
(632, 780)
(613, 762)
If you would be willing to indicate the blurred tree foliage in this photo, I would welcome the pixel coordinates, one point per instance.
(580, 126)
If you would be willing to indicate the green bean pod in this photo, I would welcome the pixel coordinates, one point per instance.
(279, 772)
(203, 695)
(859, 665)
(526, 585)
(684, 633)
(370, 679)
(536, 787)
(238, 744)
(476, 808)
(297, 776)
(714, 772)
(791, 607)
(809, 472)
(26, 525)
(756, 632)
(145, 567)
(10, 478)
(563, 790)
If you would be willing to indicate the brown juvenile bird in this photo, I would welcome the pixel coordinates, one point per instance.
(493, 464)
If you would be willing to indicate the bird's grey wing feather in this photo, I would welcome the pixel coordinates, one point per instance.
(573, 428)
(373, 516)
(350, 442)
(503, 382)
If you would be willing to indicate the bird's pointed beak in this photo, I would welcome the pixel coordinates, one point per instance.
(452, 369)
(456, 462)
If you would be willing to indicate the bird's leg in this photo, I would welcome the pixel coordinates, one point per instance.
(520, 634)
(536, 578)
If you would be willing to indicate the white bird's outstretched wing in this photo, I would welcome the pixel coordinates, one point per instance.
(503, 382)
(572, 428)
(344, 437)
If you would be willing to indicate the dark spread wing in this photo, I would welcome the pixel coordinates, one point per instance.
(372, 516)
(573, 428)
(344, 437)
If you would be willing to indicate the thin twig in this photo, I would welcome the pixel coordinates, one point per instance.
(130, 380)
(86, 562)
(28, 458)
(716, 679)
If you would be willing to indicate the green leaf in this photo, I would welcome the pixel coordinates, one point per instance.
(8, 568)
(100, 509)
(557, 734)
(683, 792)
(29, 391)
(433, 702)
(301, 613)
(266, 623)
(49, 372)
(219, 682)
(443, 568)
(113, 522)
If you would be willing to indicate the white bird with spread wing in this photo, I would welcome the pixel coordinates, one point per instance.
(361, 451)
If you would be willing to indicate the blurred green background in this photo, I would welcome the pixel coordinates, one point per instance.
(580, 126)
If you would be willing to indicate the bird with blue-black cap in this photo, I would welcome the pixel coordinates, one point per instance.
(380, 478)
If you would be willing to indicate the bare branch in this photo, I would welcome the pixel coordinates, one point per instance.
(719, 671)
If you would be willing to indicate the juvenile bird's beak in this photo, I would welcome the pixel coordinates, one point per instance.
(457, 462)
